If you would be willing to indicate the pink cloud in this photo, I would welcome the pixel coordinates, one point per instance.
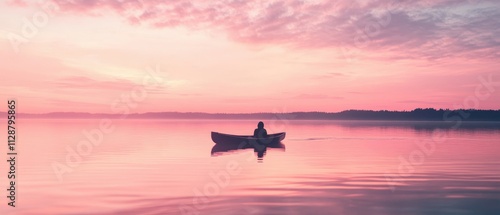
(413, 29)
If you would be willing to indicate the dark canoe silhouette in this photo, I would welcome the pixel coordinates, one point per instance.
(221, 138)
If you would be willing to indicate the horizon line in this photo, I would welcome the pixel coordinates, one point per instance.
(213, 113)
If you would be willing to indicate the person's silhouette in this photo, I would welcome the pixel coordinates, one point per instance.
(260, 132)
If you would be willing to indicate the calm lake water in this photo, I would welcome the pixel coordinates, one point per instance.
(325, 167)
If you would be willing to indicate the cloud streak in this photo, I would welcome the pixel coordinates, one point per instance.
(80, 82)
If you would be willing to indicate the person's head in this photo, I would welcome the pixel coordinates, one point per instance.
(260, 125)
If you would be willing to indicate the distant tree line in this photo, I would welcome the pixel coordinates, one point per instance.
(419, 114)
(422, 114)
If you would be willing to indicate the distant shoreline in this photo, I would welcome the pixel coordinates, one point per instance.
(418, 114)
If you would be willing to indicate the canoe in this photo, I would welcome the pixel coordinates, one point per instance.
(221, 138)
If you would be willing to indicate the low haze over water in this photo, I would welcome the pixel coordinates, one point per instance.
(326, 167)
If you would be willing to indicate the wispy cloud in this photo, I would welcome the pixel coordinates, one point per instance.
(412, 29)
(80, 82)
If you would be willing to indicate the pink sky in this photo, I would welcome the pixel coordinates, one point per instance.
(248, 56)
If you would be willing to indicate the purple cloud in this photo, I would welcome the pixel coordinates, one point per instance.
(411, 29)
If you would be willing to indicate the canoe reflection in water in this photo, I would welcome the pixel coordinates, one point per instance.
(231, 143)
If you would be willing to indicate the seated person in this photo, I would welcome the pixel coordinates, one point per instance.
(260, 132)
